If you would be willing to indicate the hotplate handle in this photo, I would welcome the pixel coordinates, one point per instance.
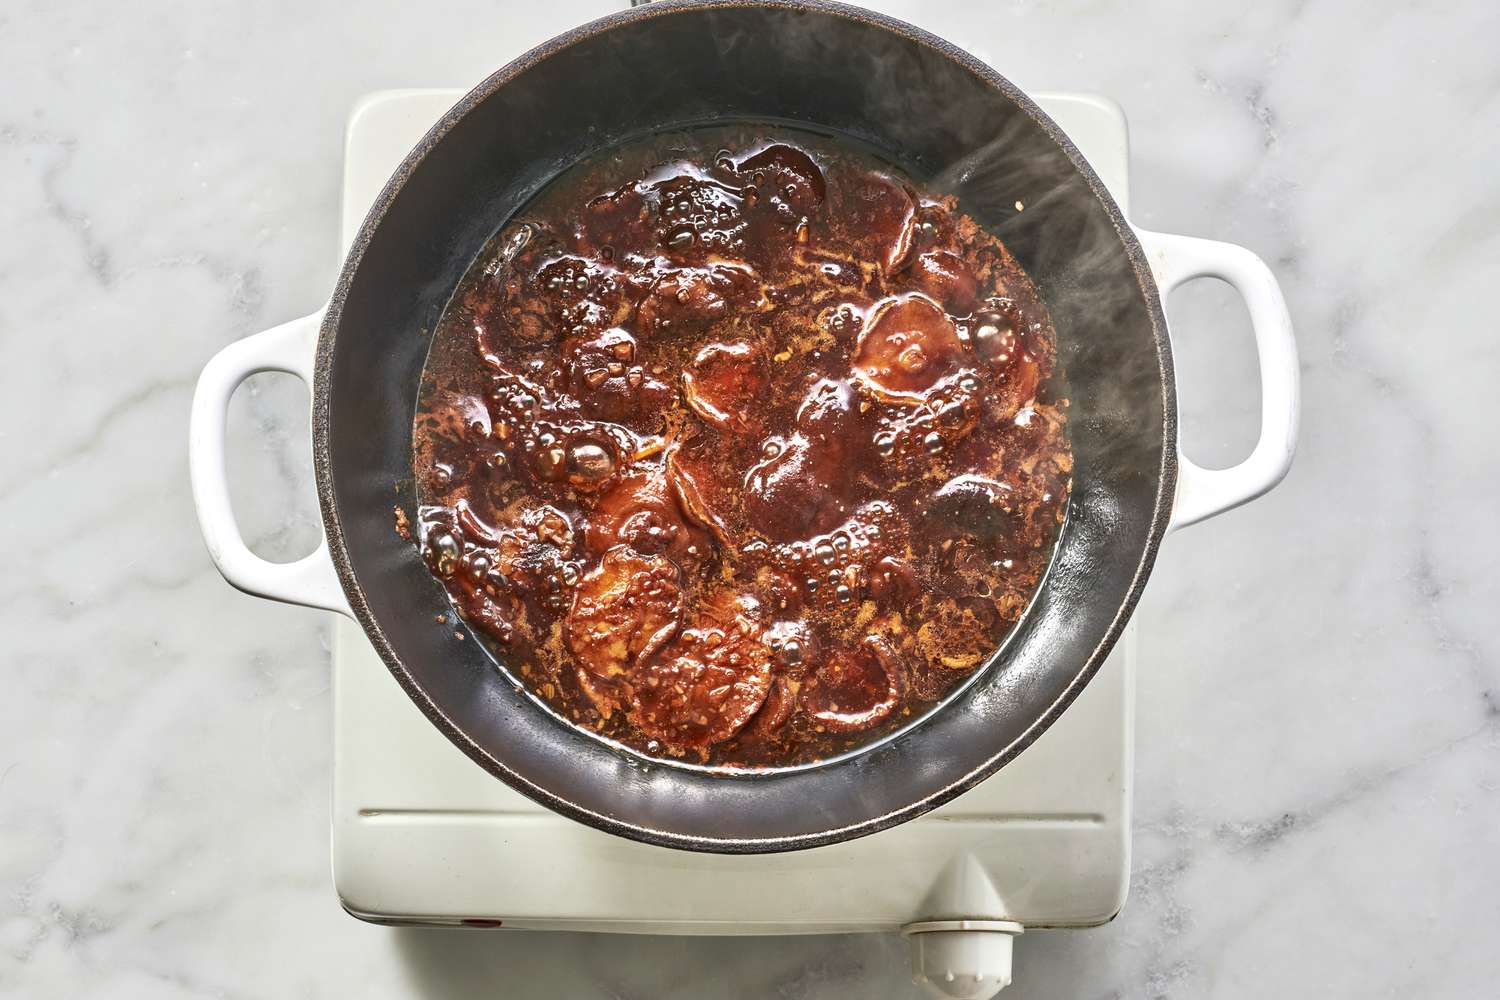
(309, 581)
(1202, 493)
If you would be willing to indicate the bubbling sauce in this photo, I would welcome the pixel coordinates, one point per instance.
(740, 447)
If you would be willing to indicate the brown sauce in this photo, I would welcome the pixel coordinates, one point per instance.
(741, 447)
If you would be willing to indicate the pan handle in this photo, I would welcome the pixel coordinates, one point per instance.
(311, 580)
(1202, 493)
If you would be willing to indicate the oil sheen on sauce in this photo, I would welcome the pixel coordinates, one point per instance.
(740, 448)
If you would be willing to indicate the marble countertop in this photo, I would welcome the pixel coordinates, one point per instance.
(1318, 764)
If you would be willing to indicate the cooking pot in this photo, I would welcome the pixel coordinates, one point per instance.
(940, 114)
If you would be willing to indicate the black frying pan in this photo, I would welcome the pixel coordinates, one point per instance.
(929, 107)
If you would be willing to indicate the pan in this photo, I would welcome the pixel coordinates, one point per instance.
(942, 116)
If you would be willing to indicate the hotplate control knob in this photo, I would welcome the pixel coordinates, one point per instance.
(962, 959)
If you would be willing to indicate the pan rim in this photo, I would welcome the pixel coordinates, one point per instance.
(333, 528)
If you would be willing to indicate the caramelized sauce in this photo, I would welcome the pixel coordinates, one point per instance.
(741, 447)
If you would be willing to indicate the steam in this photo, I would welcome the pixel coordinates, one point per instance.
(929, 115)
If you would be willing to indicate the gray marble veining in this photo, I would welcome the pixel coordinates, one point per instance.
(1318, 769)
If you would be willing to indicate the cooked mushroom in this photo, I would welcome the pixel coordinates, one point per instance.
(907, 346)
(724, 383)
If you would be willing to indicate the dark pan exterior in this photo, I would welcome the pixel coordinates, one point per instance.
(929, 107)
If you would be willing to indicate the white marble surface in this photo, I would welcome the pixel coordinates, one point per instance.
(1318, 786)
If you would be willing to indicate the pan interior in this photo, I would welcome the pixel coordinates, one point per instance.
(450, 359)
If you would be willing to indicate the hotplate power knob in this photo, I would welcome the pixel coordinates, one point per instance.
(962, 959)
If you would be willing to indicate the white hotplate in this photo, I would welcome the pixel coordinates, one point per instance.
(422, 835)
